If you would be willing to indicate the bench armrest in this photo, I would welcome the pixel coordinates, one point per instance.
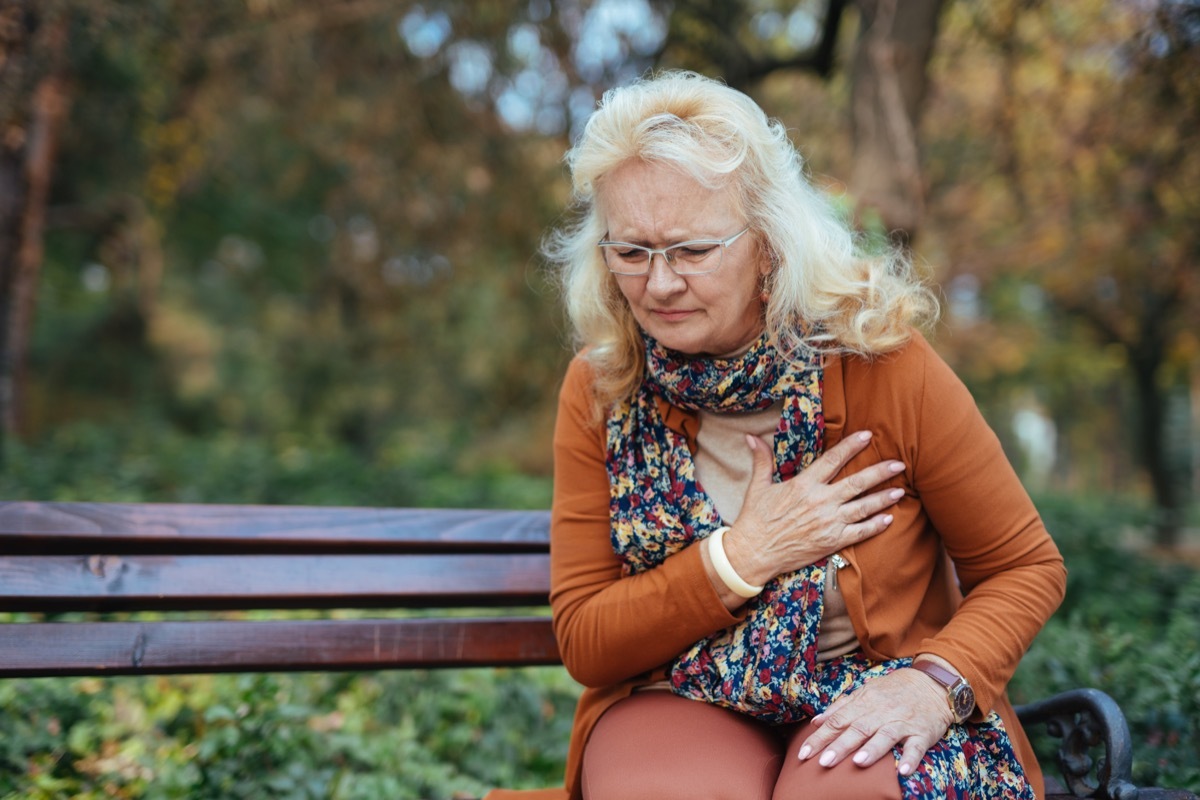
(1087, 719)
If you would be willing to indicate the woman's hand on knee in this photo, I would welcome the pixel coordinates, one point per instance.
(901, 708)
(786, 526)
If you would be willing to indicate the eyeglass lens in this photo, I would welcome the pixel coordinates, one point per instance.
(690, 258)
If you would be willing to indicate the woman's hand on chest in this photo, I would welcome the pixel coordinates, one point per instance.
(786, 526)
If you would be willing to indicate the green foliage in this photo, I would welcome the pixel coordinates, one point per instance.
(284, 239)
(1129, 627)
(153, 462)
(294, 737)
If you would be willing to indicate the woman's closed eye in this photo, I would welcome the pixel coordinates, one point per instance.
(630, 254)
(693, 252)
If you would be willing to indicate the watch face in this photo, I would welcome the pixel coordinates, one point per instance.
(963, 698)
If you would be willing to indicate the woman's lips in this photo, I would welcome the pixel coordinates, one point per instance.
(672, 315)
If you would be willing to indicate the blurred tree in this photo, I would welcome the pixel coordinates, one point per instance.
(315, 222)
(328, 229)
(1081, 200)
(343, 247)
(890, 79)
(33, 104)
(747, 42)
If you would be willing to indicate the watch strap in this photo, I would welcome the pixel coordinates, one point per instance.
(939, 673)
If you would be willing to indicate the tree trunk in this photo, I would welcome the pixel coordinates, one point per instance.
(1151, 433)
(888, 87)
(31, 45)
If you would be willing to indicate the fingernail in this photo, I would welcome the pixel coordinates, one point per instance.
(860, 757)
(905, 769)
(896, 466)
(752, 442)
(896, 494)
(827, 758)
(887, 519)
(865, 436)
(805, 752)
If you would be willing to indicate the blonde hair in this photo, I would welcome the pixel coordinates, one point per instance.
(825, 293)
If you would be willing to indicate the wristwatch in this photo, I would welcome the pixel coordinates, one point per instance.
(958, 691)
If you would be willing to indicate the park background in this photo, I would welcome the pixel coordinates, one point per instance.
(286, 251)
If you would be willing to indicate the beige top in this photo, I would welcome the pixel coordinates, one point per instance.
(723, 466)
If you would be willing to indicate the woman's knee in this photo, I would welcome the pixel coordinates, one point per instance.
(808, 780)
(658, 746)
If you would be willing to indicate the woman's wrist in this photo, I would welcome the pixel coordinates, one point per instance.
(745, 559)
(725, 569)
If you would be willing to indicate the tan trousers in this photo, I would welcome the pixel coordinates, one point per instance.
(654, 745)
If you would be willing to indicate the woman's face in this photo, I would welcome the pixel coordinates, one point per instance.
(716, 314)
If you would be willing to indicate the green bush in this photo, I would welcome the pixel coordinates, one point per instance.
(1129, 626)
(415, 734)
(157, 463)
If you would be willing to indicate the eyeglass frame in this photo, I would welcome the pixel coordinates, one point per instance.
(667, 259)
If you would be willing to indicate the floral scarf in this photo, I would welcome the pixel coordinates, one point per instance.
(766, 665)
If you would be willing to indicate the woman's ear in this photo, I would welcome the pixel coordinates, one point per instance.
(768, 259)
(767, 264)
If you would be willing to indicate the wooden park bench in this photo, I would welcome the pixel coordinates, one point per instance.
(93, 557)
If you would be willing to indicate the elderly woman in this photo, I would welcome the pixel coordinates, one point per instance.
(789, 557)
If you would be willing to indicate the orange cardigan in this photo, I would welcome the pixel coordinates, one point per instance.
(964, 514)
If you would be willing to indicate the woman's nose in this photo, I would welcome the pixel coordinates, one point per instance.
(662, 280)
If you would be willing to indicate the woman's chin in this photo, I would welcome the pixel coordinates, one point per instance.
(679, 343)
(698, 345)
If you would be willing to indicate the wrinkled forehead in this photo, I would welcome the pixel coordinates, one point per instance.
(657, 194)
(644, 202)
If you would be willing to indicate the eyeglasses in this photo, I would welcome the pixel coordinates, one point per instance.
(695, 257)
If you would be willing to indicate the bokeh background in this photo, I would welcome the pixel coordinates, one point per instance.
(286, 251)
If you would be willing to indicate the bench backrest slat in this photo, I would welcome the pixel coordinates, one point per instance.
(163, 583)
(207, 560)
(167, 528)
(127, 648)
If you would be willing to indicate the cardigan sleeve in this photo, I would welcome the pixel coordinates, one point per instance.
(612, 628)
(1008, 567)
